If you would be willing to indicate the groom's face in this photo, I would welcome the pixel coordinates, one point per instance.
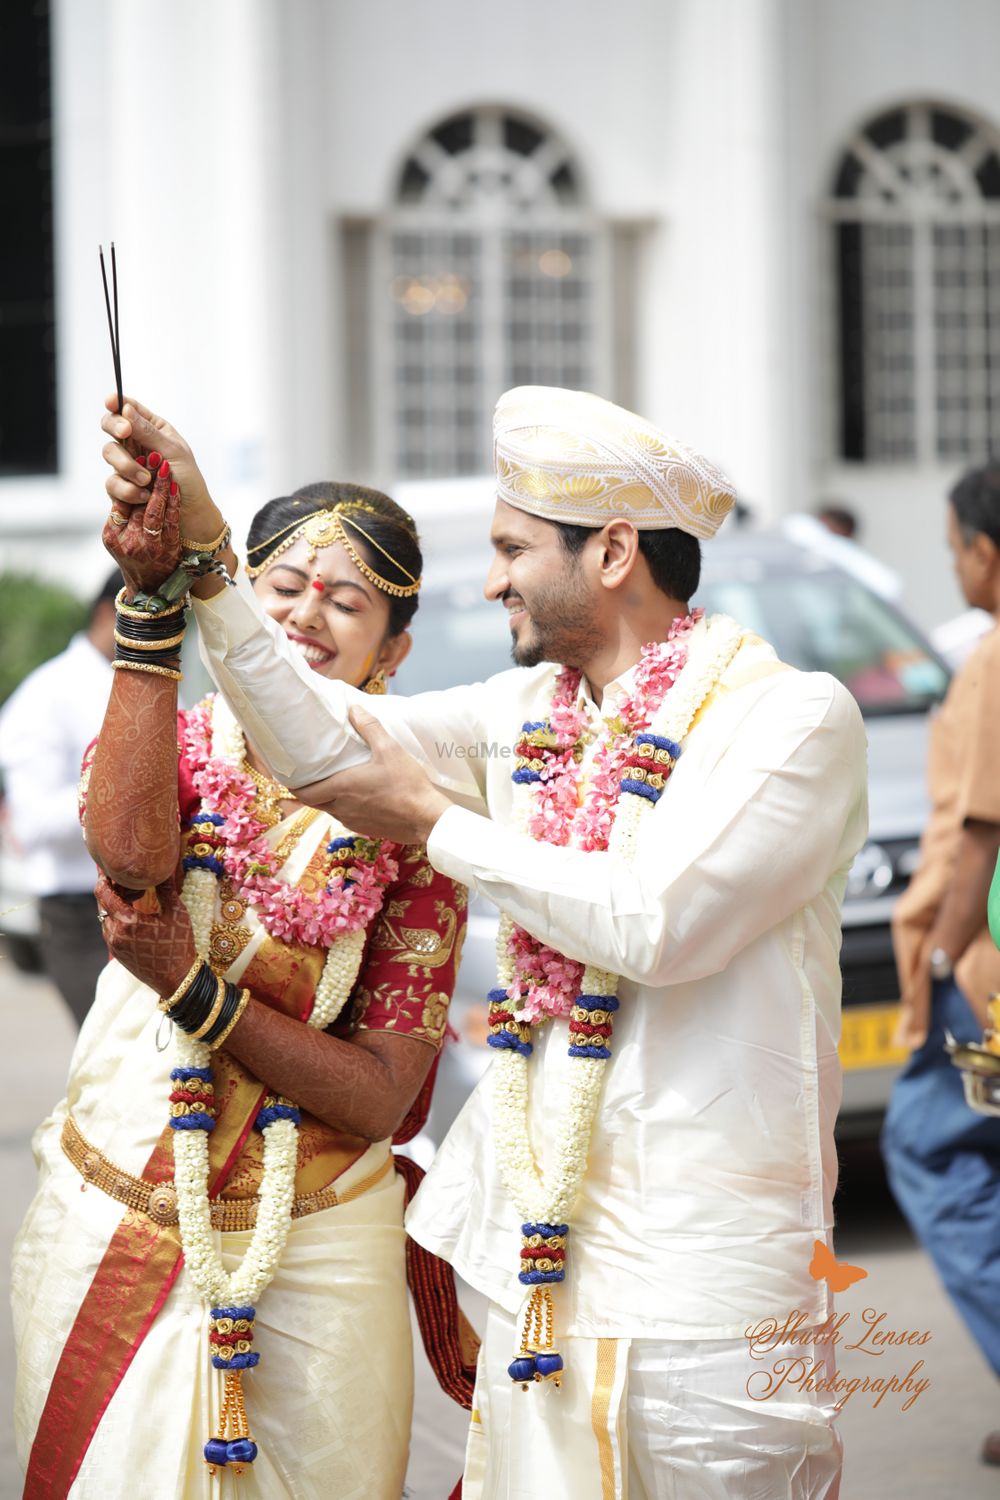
(550, 605)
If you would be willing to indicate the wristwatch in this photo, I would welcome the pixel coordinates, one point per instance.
(941, 965)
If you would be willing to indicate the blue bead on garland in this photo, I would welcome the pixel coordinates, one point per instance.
(504, 1032)
(192, 1099)
(537, 1360)
(349, 851)
(275, 1107)
(231, 1336)
(204, 840)
(543, 1253)
(647, 768)
(591, 1022)
(531, 753)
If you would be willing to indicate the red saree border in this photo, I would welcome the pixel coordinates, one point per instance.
(130, 1285)
(119, 1308)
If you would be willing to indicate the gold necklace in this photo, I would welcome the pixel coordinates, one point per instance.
(269, 795)
(304, 819)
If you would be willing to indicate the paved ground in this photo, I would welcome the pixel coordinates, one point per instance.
(926, 1453)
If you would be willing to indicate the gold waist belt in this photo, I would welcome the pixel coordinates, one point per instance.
(159, 1199)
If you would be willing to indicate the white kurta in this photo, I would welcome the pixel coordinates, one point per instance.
(713, 1166)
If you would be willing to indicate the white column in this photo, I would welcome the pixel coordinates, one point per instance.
(194, 140)
(715, 355)
(168, 140)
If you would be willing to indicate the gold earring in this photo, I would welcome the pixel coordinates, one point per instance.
(376, 683)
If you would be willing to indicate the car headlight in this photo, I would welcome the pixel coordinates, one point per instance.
(879, 868)
(871, 873)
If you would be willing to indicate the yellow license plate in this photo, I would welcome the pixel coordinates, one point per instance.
(866, 1037)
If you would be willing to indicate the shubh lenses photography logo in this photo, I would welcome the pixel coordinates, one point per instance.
(796, 1355)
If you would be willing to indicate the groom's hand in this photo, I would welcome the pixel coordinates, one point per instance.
(390, 797)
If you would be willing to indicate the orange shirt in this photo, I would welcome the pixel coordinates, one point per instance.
(964, 769)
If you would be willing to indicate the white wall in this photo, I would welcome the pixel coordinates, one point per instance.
(223, 144)
(673, 119)
(852, 59)
(168, 139)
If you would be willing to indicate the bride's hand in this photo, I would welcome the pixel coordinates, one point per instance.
(145, 539)
(156, 946)
(142, 431)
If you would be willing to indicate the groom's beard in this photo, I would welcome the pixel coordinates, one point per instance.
(559, 625)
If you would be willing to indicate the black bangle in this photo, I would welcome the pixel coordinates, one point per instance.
(153, 628)
(194, 1006)
(226, 1014)
(167, 656)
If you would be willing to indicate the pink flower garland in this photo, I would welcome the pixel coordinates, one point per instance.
(351, 899)
(547, 981)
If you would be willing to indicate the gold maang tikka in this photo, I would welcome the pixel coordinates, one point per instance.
(325, 527)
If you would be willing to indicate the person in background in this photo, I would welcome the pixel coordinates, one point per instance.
(45, 727)
(832, 532)
(942, 1159)
(839, 520)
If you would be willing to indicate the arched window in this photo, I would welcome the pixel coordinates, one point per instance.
(916, 200)
(491, 274)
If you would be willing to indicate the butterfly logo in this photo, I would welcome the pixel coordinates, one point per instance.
(825, 1266)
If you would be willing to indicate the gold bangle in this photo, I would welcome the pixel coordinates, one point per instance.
(126, 640)
(174, 999)
(147, 666)
(213, 547)
(241, 1007)
(213, 1015)
(124, 608)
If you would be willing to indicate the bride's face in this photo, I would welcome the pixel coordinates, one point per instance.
(331, 613)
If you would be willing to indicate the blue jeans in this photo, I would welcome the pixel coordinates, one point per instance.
(943, 1162)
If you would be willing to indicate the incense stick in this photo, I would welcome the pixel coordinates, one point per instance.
(118, 332)
(113, 323)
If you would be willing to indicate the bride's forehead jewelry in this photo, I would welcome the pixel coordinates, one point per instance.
(322, 529)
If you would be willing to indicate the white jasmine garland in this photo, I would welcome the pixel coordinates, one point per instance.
(198, 895)
(191, 1163)
(549, 1198)
(336, 983)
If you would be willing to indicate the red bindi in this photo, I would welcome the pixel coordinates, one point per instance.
(318, 583)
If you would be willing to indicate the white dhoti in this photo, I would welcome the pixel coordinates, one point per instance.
(644, 1419)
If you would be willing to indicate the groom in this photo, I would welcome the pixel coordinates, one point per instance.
(690, 929)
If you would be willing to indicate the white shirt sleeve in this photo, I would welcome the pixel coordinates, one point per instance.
(782, 808)
(297, 719)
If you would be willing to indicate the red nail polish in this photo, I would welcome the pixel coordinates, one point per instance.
(164, 470)
(174, 487)
(141, 459)
(154, 460)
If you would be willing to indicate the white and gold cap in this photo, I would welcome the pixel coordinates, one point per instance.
(573, 457)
